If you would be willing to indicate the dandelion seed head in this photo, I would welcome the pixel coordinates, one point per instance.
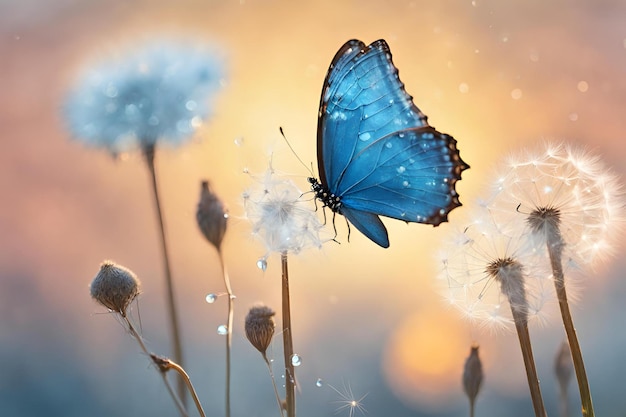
(487, 269)
(158, 92)
(280, 217)
(564, 194)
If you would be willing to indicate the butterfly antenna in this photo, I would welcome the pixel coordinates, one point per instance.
(293, 151)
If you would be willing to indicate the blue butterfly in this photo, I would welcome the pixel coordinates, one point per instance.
(376, 153)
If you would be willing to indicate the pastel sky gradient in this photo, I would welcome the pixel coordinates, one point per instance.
(496, 75)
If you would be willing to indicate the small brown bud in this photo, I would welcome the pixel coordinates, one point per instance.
(472, 375)
(115, 287)
(260, 327)
(211, 216)
(563, 366)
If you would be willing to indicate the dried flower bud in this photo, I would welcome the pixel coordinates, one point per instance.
(260, 327)
(563, 366)
(472, 375)
(115, 287)
(211, 216)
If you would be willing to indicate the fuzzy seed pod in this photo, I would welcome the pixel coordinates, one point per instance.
(472, 375)
(211, 216)
(260, 327)
(115, 287)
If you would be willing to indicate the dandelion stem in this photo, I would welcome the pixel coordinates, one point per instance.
(278, 400)
(521, 325)
(555, 251)
(149, 153)
(229, 327)
(290, 386)
(510, 273)
(133, 331)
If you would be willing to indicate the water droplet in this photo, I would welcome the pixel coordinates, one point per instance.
(262, 264)
(196, 122)
(296, 360)
(239, 141)
(191, 105)
(583, 86)
(365, 136)
(516, 94)
(573, 117)
(401, 169)
(464, 88)
(210, 298)
(319, 382)
(222, 330)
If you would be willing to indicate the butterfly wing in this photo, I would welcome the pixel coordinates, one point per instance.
(362, 99)
(376, 151)
(408, 175)
(369, 224)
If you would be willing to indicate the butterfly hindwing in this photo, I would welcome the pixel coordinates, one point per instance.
(369, 224)
(409, 175)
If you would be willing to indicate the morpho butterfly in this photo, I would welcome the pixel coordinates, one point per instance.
(376, 153)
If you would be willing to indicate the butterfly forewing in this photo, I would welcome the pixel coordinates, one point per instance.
(363, 99)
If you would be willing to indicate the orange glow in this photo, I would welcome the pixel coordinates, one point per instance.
(424, 358)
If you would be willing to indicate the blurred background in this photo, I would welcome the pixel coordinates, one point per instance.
(496, 75)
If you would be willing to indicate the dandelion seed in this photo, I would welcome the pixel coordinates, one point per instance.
(349, 401)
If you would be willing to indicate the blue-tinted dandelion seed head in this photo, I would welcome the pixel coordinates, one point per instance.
(160, 92)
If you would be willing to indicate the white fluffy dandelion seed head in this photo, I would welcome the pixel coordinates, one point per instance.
(572, 184)
(487, 268)
(160, 91)
(280, 218)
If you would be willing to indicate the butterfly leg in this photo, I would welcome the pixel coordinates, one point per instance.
(347, 224)
(334, 227)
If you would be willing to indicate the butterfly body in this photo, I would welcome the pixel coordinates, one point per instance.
(377, 155)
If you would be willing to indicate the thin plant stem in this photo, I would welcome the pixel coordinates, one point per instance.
(563, 403)
(185, 377)
(290, 386)
(133, 331)
(521, 325)
(278, 400)
(229, 327)
(149, 153)
(555, 251)
(472, 403)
